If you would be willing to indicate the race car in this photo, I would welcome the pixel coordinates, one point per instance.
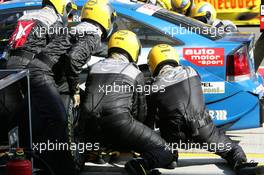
(233, 91)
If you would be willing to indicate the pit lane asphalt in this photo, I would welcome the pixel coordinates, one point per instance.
(196, 162)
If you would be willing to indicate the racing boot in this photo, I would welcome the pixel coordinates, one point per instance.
(174, 163)
(113, 156)
(136, 166)
(96, 157)
(249, 168)
(220, 144)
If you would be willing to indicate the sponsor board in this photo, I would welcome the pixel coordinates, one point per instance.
(230, 4)
(241, 12)
(204, 56)
(213, 87)
(218, 114)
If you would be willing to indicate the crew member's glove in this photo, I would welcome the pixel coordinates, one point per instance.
(76, 100)
(76, 96)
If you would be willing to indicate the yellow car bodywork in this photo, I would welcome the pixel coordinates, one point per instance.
(241, 12)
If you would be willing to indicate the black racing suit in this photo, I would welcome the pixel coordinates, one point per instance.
(49, 114)
(33, 32)
(86, 39)
(4, 111)
(184, 117)
(30, 36)
(114, 109)
(45, 95)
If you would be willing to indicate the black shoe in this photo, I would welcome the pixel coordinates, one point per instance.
(136, 167)
(172, 165)
(154, 172)
(99, 160)
(113, 156)
(250, 168)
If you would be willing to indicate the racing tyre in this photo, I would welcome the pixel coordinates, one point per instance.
(73, 115)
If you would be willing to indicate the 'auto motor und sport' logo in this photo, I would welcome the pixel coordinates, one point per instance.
(205, 56)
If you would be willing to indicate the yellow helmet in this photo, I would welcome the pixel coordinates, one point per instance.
(62, 7)
(205, 12)
(101, 12)
(166, 4)
(181, 6)
(127, 41)
(161, 54)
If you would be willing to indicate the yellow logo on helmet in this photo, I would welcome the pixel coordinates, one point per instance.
(92, 2)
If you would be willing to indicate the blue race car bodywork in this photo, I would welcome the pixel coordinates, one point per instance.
(238, 106)
(232, 103)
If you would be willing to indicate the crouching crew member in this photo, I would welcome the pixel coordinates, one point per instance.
(182, 111)
(113, 109)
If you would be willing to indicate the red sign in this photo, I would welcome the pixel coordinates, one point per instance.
(205, 56)
(261, 23)
(19, 37)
